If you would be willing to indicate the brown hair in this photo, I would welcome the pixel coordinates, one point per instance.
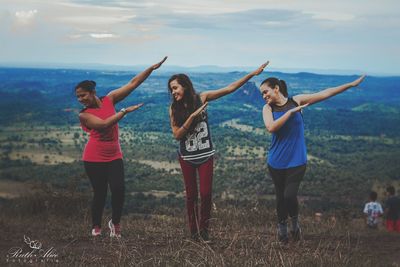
(272, 82)
(182, 109)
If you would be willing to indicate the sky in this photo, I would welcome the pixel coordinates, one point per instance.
(347, 35)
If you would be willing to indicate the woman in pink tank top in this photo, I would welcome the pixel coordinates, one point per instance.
(102, 156)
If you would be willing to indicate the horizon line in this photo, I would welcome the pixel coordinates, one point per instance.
(197, 68)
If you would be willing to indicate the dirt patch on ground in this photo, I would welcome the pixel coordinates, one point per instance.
(12, 189)
(234, 123)
(42, 158)
(172, 167)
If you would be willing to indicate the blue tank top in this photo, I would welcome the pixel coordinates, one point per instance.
(288, 147)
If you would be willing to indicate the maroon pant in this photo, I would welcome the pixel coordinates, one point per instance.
(205, 171)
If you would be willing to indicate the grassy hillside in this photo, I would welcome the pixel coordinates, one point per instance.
(242, 236)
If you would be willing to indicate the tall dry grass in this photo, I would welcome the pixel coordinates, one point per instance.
(242, 236)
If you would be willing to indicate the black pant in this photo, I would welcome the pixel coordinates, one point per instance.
(101, 174)
(287, 182)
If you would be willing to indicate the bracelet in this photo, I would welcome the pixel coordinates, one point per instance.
(123, 110)
(185, 128)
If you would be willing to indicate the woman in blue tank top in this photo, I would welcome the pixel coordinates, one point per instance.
(287, 157)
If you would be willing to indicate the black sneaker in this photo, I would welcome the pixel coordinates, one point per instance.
(283, 239)
(282, 233)
(296, 235)
(195, 237)
(204, 236)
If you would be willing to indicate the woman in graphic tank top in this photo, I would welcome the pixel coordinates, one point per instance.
(189, 123)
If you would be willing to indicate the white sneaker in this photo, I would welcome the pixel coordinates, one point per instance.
(115, 229)
(96, 231)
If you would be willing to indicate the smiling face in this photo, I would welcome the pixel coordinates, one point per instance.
(85, 97)
(177, 90)
(270, 95)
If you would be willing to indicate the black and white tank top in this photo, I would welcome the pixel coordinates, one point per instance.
(196, 147)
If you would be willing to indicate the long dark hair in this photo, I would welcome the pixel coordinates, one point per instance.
(191, 99)
(272, 82)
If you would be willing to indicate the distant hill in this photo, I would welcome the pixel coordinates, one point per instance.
(376, 107)
(249, 93)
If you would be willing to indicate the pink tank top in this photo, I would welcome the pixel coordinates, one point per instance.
(103, 145)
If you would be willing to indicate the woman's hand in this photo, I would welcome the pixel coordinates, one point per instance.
(215, 94)
(298, 108)
(180, 131)
(358, 81)
(260, 69)
(199, 110)
(273, 125)
(157, 65)
(133, 108)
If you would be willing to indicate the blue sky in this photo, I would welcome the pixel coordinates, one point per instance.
(335, 35)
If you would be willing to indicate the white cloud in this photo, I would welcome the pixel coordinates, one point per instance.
(75, 36)
(102, 35)
(333, 16)
(94, 8)
(271, 23)
(96, 19)
(137, 5)
(94, 35)
(25, 17)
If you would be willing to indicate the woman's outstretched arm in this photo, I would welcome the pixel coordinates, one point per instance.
(122, 92)
(327, 93)
(215, 94)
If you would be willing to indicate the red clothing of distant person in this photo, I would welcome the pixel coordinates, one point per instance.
(103, 145)
(393, 225)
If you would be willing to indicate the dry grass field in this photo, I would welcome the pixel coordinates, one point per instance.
(242, 236)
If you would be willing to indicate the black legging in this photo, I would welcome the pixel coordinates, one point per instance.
(287, 182)
(101, 174)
